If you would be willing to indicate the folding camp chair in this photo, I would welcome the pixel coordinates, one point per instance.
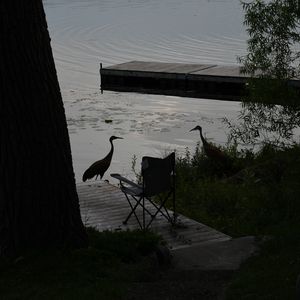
(158, 181)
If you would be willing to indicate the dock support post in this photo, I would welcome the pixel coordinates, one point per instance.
(101, 89)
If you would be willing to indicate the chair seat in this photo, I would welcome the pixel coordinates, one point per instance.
(127, 186)
(132, 191)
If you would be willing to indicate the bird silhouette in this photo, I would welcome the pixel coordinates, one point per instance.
(210, 150)
(99, 167)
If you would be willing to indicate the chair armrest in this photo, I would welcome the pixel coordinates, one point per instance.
(123, 179)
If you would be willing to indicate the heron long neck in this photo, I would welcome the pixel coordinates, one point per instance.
(110, 153)
(202, 137)
(111, 149)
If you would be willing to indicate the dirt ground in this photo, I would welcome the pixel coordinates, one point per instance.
(172, 284)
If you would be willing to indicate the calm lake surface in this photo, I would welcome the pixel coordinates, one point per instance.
(87, 32)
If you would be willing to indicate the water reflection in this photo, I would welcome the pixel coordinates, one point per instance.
(87, 32)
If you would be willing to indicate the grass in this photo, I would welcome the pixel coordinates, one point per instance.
(104, 270)
(255, 194)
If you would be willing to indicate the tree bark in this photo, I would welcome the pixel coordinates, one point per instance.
(38, 200)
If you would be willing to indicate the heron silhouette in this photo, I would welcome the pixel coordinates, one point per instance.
(99, 167)
(211, 150)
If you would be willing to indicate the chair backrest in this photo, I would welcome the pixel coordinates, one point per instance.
(157, 174)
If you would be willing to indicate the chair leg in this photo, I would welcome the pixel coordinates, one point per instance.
(164, 213)
(133, 208)
(160, 208)
(140, 201)
(144, 208)
(174, 205)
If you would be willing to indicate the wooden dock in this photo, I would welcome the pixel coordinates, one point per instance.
(188, 80)
(104, 207)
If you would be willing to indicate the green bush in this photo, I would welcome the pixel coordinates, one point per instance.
(259, 190)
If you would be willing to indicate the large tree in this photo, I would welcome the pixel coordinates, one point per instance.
(38, 200)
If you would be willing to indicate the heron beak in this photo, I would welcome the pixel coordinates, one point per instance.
(117, 137)
(193, 129)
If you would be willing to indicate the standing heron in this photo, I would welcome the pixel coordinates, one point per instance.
(99, 167)
(210, 150)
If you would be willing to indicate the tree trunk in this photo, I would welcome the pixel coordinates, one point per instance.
(38, 200)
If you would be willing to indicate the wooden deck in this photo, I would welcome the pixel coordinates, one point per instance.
(104, 207)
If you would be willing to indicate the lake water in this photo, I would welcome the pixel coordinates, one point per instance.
(87, 32)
